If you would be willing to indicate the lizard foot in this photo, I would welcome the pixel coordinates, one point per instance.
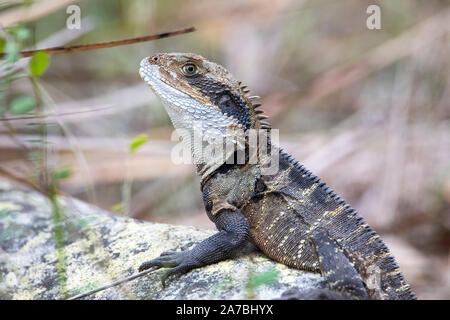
(178, 262)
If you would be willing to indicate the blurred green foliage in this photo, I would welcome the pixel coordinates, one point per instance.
(22, 104)
(137, 142)
(39, 63)
(62, 173)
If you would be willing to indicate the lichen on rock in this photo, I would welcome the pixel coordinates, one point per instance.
(100, 247)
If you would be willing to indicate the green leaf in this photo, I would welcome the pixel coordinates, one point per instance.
(20, 32)
(39, 63)
(261, 278)
(62, 173)
(138, 141)
(2, 44)
(22, 105)
(118, 207)
(23, 33)
(11, 51)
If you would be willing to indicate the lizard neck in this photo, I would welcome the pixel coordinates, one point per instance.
(261, 154)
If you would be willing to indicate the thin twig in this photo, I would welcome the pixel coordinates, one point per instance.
(62, 36)
(62, 114)
(24, 181)
(112, 284)
(113, 102)
(109, 44)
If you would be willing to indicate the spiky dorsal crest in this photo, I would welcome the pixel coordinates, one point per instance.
(254, 105)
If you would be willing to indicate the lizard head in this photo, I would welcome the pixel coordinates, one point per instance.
(199, 94)
(195, 89)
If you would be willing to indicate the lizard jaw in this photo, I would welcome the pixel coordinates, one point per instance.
(182, 108)
(177, 103)
(170, 96)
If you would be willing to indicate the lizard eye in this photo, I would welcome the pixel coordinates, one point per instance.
(189, 69)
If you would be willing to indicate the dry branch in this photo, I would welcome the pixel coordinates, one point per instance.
(108, 44)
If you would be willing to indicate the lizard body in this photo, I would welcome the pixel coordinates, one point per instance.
(289, 214)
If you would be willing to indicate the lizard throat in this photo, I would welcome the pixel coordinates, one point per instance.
(187, 114)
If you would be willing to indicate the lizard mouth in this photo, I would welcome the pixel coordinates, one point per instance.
(171, 97)
(149, 72)
(182, 108)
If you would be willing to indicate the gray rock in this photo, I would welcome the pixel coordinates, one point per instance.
(46, 254)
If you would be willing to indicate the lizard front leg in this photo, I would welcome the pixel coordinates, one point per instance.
(233, 234)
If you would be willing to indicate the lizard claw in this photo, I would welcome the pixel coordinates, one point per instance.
(178, 262)
(166, 253)
(178, 271)
(147, 265)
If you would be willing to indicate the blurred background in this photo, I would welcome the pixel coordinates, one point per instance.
(366, 110)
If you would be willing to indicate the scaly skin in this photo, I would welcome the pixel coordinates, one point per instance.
(290, 215)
